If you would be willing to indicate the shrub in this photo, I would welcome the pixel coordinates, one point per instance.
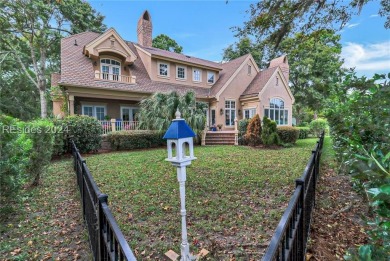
(84, 131)
(41, 133)
(253, 132)
(242, 128)
(60, 137)
(138, 139)
(288, 134)
(14, 151)
(318, 126)
(303, 132)
(269, 134)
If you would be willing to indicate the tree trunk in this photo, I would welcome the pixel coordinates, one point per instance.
(43, 104)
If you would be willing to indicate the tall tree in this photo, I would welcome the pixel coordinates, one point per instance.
(244, 46)
(274, 20)
(31, 33)
(164, 42)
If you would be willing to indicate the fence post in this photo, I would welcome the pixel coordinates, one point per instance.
(102, 198)
(81, 186)
(113, 123)
(301, 227)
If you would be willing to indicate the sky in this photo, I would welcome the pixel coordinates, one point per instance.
(204, 28)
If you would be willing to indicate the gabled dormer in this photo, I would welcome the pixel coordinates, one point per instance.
(111, 57)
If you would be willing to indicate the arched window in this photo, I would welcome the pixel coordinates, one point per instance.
(277, 112)
(111, 69)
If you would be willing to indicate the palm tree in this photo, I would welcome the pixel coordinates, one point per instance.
(157, 112)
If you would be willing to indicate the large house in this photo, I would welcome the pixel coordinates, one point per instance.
(106, 76)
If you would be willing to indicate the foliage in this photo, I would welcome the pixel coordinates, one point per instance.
(273, 21)
(288, 134)
(164, 42)
(318, 126)
(303, 132)
(359, 119)
(243, 47)
(14, 158)
(60, 138)
(84, 131)
(254, 131)
(242, 128)
(158, 111)
(139, 139)
(41, 133)
(31, 33)
(269, 134)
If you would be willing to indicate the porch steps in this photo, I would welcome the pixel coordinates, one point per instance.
(219, 138)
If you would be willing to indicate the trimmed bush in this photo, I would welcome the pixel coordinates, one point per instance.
(60, 135)
(253, 132)
(41, 133)
(269, 134)
(15, 148)
(84, 130)
(318, 126)
(303, 132)
(288, 134)
(242, 128)
(138, 139)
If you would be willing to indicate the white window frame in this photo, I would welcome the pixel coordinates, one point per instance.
(111, 76)
(130, 108)
(177, 72)
(231, 111)
(214, 75)
(193, 75)
(282, 110)
(249, 112)
(158, 69)
(94, 114)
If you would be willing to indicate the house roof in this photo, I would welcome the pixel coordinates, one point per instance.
(259, 82)
(180, 57)
(77, 70)
(228, 69)
(278, 61)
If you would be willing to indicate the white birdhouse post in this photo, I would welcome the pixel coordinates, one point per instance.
(180, 135)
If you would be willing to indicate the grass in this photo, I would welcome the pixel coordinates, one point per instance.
(235, 196)
(46, 223)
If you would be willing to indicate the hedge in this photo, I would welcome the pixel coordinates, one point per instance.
(288, 134)
(303, 132)
(318, 126)
(269, 135)
(242, 128)
(137, 139)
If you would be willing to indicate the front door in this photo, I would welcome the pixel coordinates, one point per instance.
(212, 119)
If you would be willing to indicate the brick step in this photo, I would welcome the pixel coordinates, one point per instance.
(219, 143)
(220, 135)
(220, 139)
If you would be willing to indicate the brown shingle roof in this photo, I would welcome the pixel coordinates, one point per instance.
(77, 70)
(259, 82)
(180, 57)
(277, 61)
(228, 70)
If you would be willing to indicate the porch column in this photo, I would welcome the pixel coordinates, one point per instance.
(113, 121)
(71, 105)
(235, 131)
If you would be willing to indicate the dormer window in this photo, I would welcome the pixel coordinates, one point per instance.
(196, 75)
(210, 77)
(163, 69)
(111, 69)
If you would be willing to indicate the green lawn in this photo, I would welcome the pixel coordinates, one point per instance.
(235, 197)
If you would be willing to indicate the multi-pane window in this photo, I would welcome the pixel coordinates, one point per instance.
(196, 75)
(249, 113)
(94, 111)
(129, 113)
(163, 69)
(230, 112)
(210, 77)
(110, 69)
(181, 72)
(277, 112)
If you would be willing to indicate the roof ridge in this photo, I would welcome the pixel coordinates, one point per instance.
(235, 59)
(86, 32)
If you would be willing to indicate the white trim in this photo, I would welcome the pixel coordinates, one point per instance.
(207, 77)
(130, 108)
(230, 109)
(247, 109)
(200, 74)
(158, 69)
(185, 72)
(94, 106)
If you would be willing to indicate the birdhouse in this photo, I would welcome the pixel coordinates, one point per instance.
(180, 142)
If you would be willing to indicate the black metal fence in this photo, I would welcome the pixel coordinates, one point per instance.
(106, 239)
(291, 235)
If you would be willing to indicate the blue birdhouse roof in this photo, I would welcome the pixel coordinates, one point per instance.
(179, 129)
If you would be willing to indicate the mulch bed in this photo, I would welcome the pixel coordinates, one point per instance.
(337, 220)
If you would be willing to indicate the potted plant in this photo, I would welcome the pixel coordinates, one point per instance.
(220, 126)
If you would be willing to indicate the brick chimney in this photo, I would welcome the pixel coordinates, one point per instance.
(282, 62)
(144, 30)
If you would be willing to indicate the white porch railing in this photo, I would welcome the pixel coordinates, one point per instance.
(114, 77)
(116, 125)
